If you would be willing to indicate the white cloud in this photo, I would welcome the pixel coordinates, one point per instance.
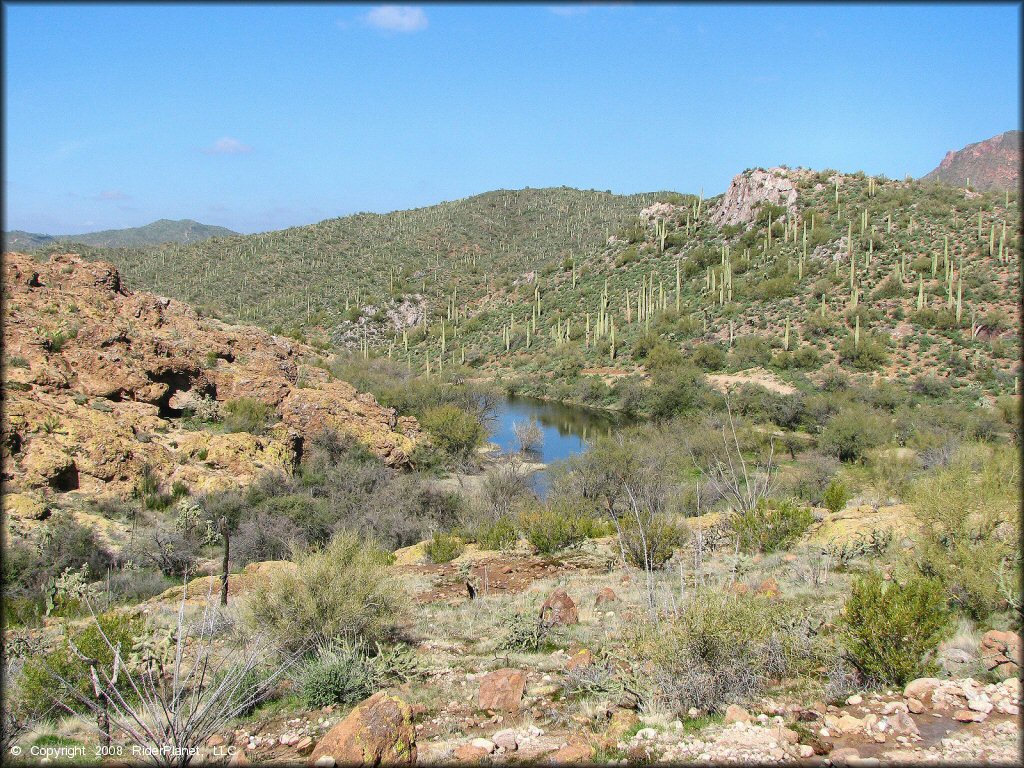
(227, 146)
(397, 18)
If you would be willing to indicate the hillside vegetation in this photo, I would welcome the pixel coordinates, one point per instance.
(896, 278)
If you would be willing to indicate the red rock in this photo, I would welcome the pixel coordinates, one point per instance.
(573, 752)
(304, 745)
(467, 753)
(969, 716)
(606, 595)
(502, 690)
(559, 609)
(379, 730)
(582, 659)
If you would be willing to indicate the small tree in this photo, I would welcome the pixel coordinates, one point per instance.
(529, 436)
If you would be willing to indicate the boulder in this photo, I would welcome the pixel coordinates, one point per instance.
(843, 755)
(506, 740)
(582, 659)
(921, 687)
(1001, 651)
(379, 730)
(502, 690)
(969, 716)
(559, 609)
(734, 713)
(606, 595)
(574, 752)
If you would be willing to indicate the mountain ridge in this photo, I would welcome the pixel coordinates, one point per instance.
(991, 164)
(155, 233)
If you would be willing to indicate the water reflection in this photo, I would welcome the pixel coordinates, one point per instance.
(566, 430)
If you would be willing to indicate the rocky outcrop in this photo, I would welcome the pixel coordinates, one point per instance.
(379, 731)
(750, 189)
(1001, 651)
(990, 164)
(96, 378)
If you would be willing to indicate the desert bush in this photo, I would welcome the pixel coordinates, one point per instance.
(444, 547)
(852, 431)
(773, 524)
(456, 432)
(652, 542)
(505, 489)
(347, 672)
(61, 679)
(890, 630)
(528, 435)
(969, 523)
(265, 536)
(524, 633)
(836, 496)
(498, 534)
(246, 414)
(871, 353)
(723, 648)
(559, 525)
(810, 479)
(710, 357)
(343, 591)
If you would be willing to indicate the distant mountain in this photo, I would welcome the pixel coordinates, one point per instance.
(162, 231)
(990, 164)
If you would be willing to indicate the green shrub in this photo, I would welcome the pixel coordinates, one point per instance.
(652, 544)
(455, 431)
(869, 355)
(710, 357)
(497, 535)
(852, 431)
(559, 525)
(772, 525)
(889, 630)
(444, 547)
(969, 514)
(63, 676)
(346, 673)
(341, 591)
(246, 414)
(836, 496)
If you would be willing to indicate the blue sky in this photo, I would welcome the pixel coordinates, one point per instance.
(261, 117)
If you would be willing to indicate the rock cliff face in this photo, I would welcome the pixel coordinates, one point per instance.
(990, 164)
(749, 189)
(96, 377)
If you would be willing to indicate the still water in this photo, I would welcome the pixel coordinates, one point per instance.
(567, 430)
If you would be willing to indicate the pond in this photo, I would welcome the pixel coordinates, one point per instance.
(566, 430)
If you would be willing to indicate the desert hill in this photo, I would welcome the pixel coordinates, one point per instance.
(156, 233)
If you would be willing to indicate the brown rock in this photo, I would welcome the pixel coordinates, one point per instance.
(969, 716)
(921, 687)
(916, 706)
(903, 724)
(734, 713)
(380, 730)
(304, 745)
(1001, 651)
(606, 595)
(559, 609)
(502, 690)
(573, 752)
(582, 659)
(843, 755)
(467, 753)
